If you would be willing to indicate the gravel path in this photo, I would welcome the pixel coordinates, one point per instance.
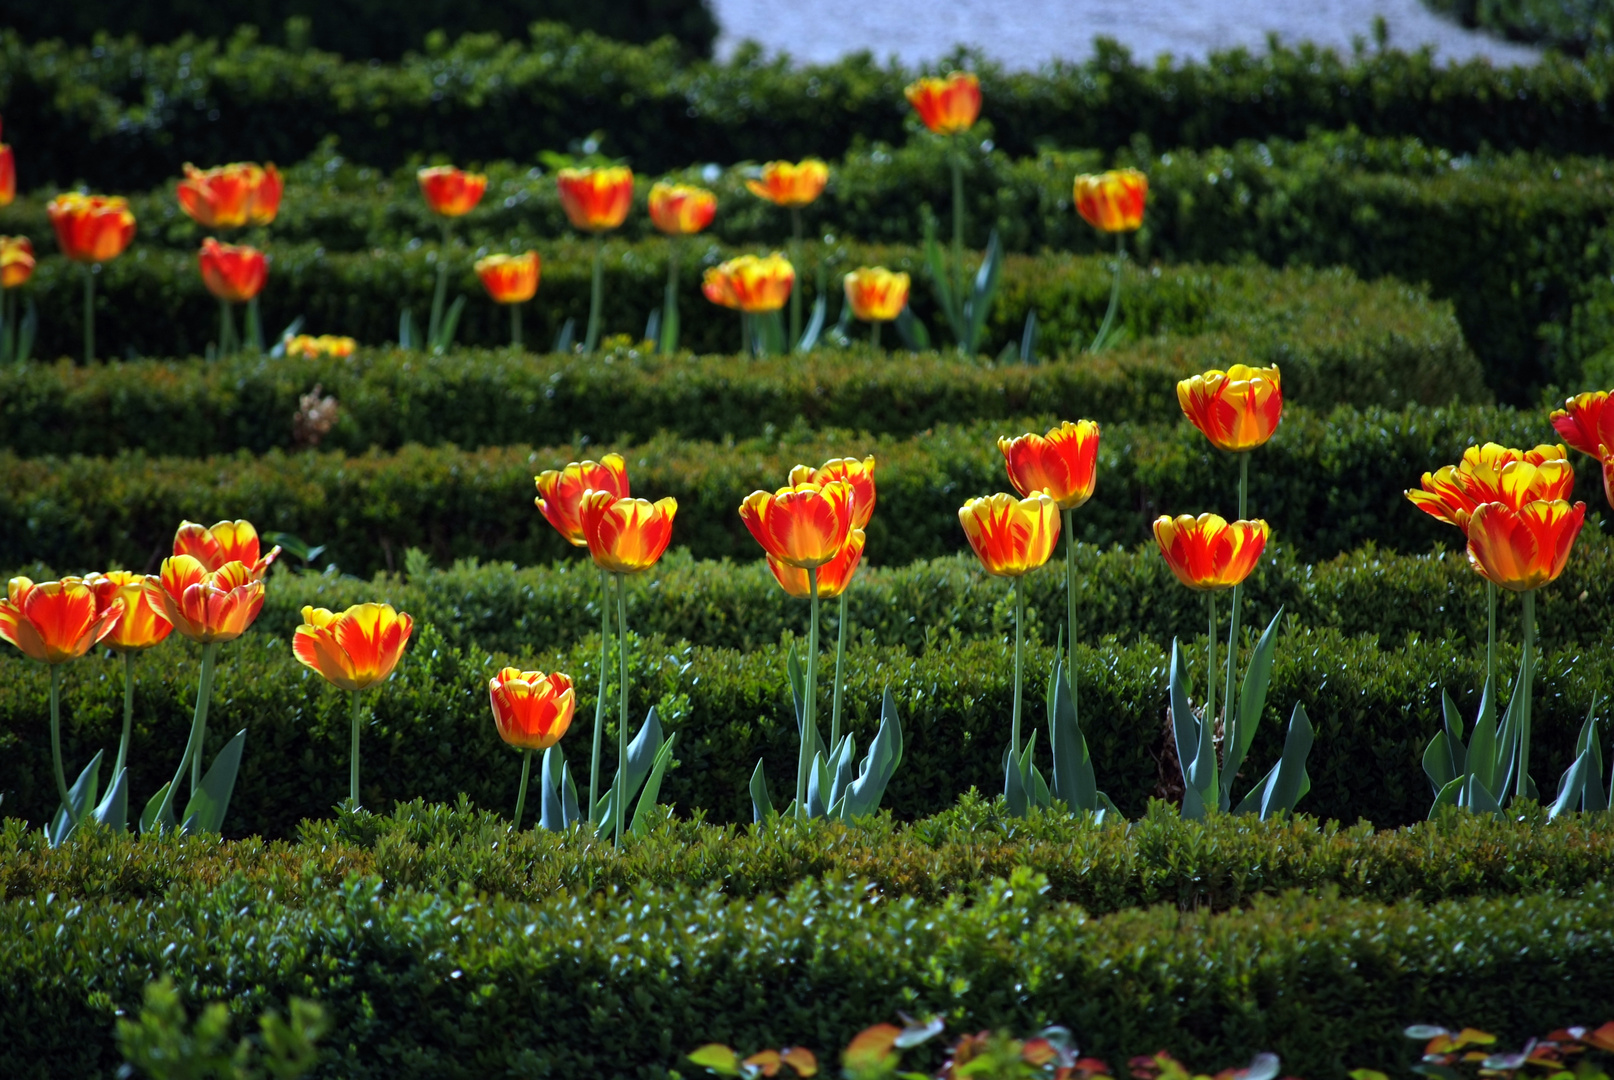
(1027, 33)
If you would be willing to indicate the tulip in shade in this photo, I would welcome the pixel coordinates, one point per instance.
(596, 199)
(1527, 548)
(876, 294)
(207, 606)
(859, 473)
(230, 196)
(751, 284)
(1062, 465)
(510, 279)
(1209, 553)
(833, 577)
(784, 183)
(1011, 536)
(625, 535)
(308, 347)
(91, 228)
(141, 625)
(947, 105)
(225, 542)
(8, 175)
(680, 209)
(1112, 202)
(16, 261)
(451, 192)
(56, 621)
(1237, 409)
(530, 709)
(804, 525)
(355, 649)
(560, 492)
(234, 273)
(1494, 473)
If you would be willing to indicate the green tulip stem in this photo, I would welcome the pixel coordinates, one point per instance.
(1524, 787)
(1210, 663)
(56, 737)
(521, 793)
(956, 158)
(596, 295)
(193, 744)
(1238, 595)
(227, 343)
(515, 327)
(622, 719)
(1490, 634)
(1100, 338)
(440, 294)
(353, 764)
(795, 289)
(1070, 601)
(599, 703)
(252, 333)
(89, 313)
(874, 334)
(745, 334)
(804, 758)
(840, 660)
(1019, 662)
(128, 713)
(669, 302)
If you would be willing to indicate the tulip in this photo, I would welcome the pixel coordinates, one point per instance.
(55, 622)
(225, 542)
(531, 711)
(596, 200)
(91, 229)
(677, 210)
(833, 577)
(235, 274)
(512, 280)
(307, 347)
(793, 187)
(750, 284)
(859, 473)
(140, 627)
(352, 651)
(8, 176)
(1237, 409)
(949, 105)
(1587, 423)
(230, 196)
(1112, 202)
(804, 525)
(876, 295)
(450, 192)
(16, 267)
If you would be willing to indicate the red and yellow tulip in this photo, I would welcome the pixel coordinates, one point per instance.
(1062, 465)
(1586, 422)
(206, 606)
(531, 710)
(1210, 553)
(16, 261)
(947, 105)
(91, 228)
(308, 347)
(596, 199)
(1011, 536)
(355, 649)
(1112, 202)
(785, 183)
(560, 492)
(451, 192)
(803, 525)
(625, 535)
(859, 473)
(232, 272)
(225, 542)
(56, 621)
(141, 625)
(750, 284)
(1523, 549)
(681, 209)
(510, 279)
(230, 196)
(876, 294)
(1237, 409)
(1494, 473)
(833, 577)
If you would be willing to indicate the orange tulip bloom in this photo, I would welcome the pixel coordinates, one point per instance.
(353, 650)
(1112, 202)
(312, 348)
(530, 709)
(786, 184)
(206, 606)
(625, 535)
(876, 294)
(1526, 548)
(833, 577)
(225, 542)
(949, 105)
(750, 284)
(451, 192)
(596, 199)
(1011, 536)
(510, 279)
(1587, 423)
(91, 228)
(233, 272)
(16, 261)
(1237, 409)
(560, 492)
(230, 196)
(56, 621)
(1493, 473)
(859, 474)
(141, 625)
(1209, 553)
(8, 175)
(1063, 465)
(681, 210)
(803, 525)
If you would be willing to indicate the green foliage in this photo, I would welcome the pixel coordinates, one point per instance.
(163, 1045)
(1574, 26)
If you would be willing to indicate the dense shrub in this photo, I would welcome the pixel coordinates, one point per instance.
(1575, 26)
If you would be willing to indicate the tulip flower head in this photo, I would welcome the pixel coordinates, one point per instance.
(232, 272)
(804, 525)
(1586, 422)
(751, 284)
(1493, 473)
(141, 625)
(56, 621)
(206, 606)
(225, 542)
(510, 279)
(230, 196)
(1237, 409)
(1011, 536)
(355, 649)
(16, 261)
(531, 710)
(947, 105)
(308, 347)
(1112, 202)
(785, 183)
(1210, 553)
(833, 577)
(560, 492)
(451, 192)
(680, 209)
(876, 294)
(596, 199)
(1523, 549)
(91, 228)
(1062, 465)
(625, 535)
(858, 473)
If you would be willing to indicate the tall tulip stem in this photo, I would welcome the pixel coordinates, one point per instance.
(193, 744)
(874, 334)
(795, 289)
(521, 793)
(1019, 662)
(596, 296)
(1524, 788)
(599, 704)
(440, 294)
(515, 326)
(227, 343)
(809, 707)
(89, 313)
(957, 160)
(840, 660)
(56, 738)
(1238, 595)
(622, 719)
(1102, 337)
(669, 303)
(252, 334)
(353, 763)
(1070, 601)
(1490, 632)
(128, 713)
(1210, 662)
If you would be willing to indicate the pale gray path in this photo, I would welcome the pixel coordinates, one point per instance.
(1028, 33)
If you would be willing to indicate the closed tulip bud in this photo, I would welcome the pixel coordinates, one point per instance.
(1011, 536)
(230, 196)
(1523, 549)
(8, 175)
(233, 272)
(803, 525)
(1586, 422)
(596, 199)
(206, 606)
(225, 542)
(560, 492)
(1112, 202)
(751, 284)
(1210, 553)
(681, 210)
(355, 649)
(312, 348)
(947, 105)
(1063, 465)
(450, 191)
(858, 473)
(510, 279)
(876, 294)
(1237, 409)
(56, 621)
(531, 710)
(833, 577)
(16, 261)
(785, 183)
(625, 536)
(1493, 473)
(91, 228)
(141, 625)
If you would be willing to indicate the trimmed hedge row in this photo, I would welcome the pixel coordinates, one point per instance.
(432, 737)
(422, 985)
(1327, 483)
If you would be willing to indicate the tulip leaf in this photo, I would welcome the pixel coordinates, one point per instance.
(565, 337)
(841, 760)
(1290, 782)
(818, 786)
(1074, 782)
(80, 797)
(1437, 762)
(1482, 756)
(1450, 795)
(879, 765)
(1252, 702)
(815, 325)
(940, 281)
(406, 330)
(915, 337)
(1264, 1066)
(113, 810)
(1508, 740)
(1477, 797)
(1185, 733)
(558, 805)
(149, 821)
(652, 330)
(984, 292)
(1014, 788)
(1572, 788)
(642, 753)
(211, 801)
(644, 813)
(761, 805)
(451, 321)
